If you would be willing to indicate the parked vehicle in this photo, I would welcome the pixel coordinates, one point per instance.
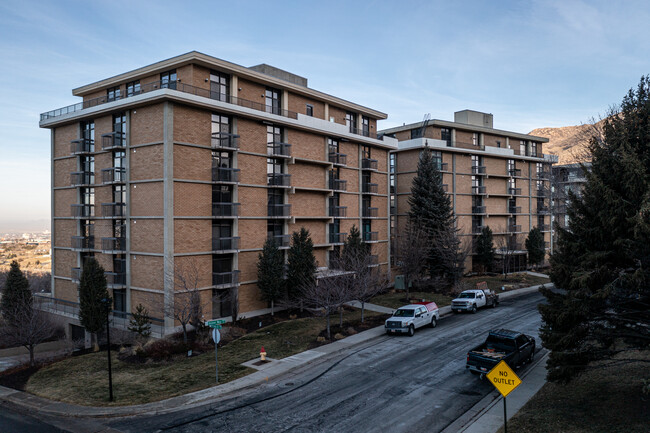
(501, 344)
(472, 300)
(406, 319)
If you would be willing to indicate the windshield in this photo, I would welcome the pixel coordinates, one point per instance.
(467, 295)
(403, 313)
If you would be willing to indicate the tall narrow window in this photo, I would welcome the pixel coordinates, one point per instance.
(309, 110)
(351, 121)
(522, 147)
(168, 79)
(475, 139)
(88, 133)
(219, 86)
(133, 88)
(272, 99)
(119, 128)
(445, 135)
(533, 148)
(436, 155)
(113, 93)
(365, 126)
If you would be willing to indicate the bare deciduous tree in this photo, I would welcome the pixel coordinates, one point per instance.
(327, 294)
(412, 254)
(187, 307)
(506, 246)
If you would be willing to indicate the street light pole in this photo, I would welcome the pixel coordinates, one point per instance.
(108, 341)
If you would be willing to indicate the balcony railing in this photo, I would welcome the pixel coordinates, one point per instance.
(364, 132)
(279, 210)
(369, 164)
(338, 158)
(338, 184)
(514, 191)
(514, 172)
(225, 244)
(225, 210)
(282, 240)
(114, 175)
(225, 175)
(114, 210)
(370, 212)
(115, 280)
(82, 146)
(81, 178)
(75, 274)
(514, 228)
(225, 279)
(279, 149)
(369, 188)
(225, 140)
(178, 86)
(278, 180)
(337, 238)
(479, 190)
(113, 140)
(370, 236)
(443, 166)
(478, 169)
(338, 211)
(478, 209)
(514, 209)
(82, 243)
(82, 210)
(113, 244)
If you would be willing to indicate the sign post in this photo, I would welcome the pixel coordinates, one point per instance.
(216, 337)
(505, 381)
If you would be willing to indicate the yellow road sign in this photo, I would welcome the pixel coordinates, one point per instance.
(503, 378)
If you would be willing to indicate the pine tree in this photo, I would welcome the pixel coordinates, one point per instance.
(603, 260)
(94, 302)
(140, 322)
(301, 263)
(485, 249)
(270, 272)
(535, 246)
(354, 249)
(16, 295)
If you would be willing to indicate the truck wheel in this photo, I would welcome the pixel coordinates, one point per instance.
(494, 304)
(411, 331)
(434, 322)
(474, 309)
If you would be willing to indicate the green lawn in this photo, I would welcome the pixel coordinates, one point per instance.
(84, 379)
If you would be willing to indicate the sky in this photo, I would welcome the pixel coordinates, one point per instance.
(530, 63)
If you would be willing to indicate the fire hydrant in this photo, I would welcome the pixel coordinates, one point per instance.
(262, 354)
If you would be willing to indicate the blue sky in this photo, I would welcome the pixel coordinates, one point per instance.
(530, 63)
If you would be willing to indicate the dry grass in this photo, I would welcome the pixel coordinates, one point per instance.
(602, 400)
(84, 379)
(396, 299)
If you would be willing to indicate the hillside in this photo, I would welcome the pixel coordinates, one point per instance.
(568, 142)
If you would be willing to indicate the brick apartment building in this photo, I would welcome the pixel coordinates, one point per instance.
(495, 178)
(195, 161)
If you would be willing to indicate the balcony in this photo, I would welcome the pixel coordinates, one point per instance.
(478, 169)
(515, 172)
(478, 209)
(225, 141)
(75, 274)
(220, 245)
(82, 210)
(113, 140)
(514, 191)
(113, 175)
(370, 237)
(338, 184)
(225, 210)
(224, 280)
(514, 228)
(479, 190)
(282, 240)
(113, 245)
(115, 280)
(82, 243)
(279, 150)
(338, 158)
(338, 211)
(370, 212)
(279, 210)
(337, 238)
(82, 146)
(544, 227)
(369, 188)
(114, 210)
(82, 178)
(514, 209)
(278, 180)
(225, 175)
(369, 164)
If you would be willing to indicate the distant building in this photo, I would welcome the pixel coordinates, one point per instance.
(566, 178)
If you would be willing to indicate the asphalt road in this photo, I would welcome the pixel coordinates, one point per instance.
(395, 384)
(13, 421)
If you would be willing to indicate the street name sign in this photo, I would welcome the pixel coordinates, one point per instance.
(503, 378)
(215, 323)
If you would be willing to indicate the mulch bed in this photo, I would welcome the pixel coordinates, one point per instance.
(17, 377)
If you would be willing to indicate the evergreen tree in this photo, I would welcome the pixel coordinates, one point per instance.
(16, 294)
(94, 302)
(140, 322)
(485, 249)
(270, 272)
(535, 246)
(301, 263)
(354, 248)
(603, 260)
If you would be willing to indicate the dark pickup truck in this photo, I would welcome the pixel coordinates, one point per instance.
(501, 344)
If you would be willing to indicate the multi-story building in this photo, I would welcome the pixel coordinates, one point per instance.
(192, 162)
(566, 178)
(494, 178)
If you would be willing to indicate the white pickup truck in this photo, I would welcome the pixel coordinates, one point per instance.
(406, 319)
(472, 300)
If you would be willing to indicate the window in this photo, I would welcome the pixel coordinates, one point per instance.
(221, 159)
(119, 228)
(533, 148)
(133, 88)
(333, 145)
(87, 196)
(476, 160)
(222, 230)
(119, 158)
(119, 193)
(113, 93)
(168, 79)
(392, 163)
(275, 196)
(219, 86)
(445, 135)
(119, 128)
(366, 229)
(512, 183)
(540, 222)
(539, 168)
(475, 140)
(498, 143)
(522, 147)
(87, 228)
(274, 228)
(365, 152)
(351, 121)
(221, 193)
(511, 167)
(436, 155)
(88, 133)
(119, 302)
(309, 110)
(273, 140)
(272, 98)
(365, 126)
(335, 226)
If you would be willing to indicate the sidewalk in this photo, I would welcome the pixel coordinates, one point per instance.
(266, 372)
(19, 355)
